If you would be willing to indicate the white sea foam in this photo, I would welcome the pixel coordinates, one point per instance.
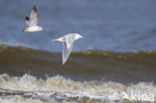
(58, 87)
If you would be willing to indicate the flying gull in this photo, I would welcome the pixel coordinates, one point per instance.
(31, 22)
(68, 42)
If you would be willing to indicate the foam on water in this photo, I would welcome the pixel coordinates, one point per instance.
(60, 88)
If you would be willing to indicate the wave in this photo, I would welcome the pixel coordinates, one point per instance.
(29, 75)
(81, 66)
(57, 88)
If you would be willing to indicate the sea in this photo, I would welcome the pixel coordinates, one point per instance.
(114, 63)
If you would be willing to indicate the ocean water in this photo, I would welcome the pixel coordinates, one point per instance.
(114, 63)
(89, 76)
(124, 25)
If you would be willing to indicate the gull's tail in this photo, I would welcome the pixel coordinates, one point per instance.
(58, 40)
(55, 40)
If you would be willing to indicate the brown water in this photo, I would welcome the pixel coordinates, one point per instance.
(88, 76)
(84, 65)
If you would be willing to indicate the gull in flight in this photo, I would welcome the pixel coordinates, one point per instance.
(31, 22)
(68, 42)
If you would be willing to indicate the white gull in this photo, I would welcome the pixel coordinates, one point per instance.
(68, 42)
(31, 22)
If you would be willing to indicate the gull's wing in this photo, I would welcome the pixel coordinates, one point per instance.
(33, 16)
(27, 21)
(69, 39)
(66, 51)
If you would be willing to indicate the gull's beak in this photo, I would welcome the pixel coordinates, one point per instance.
(82, 37)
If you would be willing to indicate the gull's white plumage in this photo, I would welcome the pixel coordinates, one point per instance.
(68, 42)
(31, 22)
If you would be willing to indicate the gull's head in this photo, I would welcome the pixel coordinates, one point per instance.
(78, 36)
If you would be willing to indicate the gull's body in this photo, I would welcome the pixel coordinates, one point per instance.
(68, 42)
(31, 22)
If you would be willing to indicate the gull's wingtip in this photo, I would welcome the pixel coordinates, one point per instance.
(27, 18)
(63, 62)
(35, 8)
(34, 5)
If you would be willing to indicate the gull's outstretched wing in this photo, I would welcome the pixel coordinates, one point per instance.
(66, 51)
(33, 16)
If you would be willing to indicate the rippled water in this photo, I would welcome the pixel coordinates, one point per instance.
(106, 24)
